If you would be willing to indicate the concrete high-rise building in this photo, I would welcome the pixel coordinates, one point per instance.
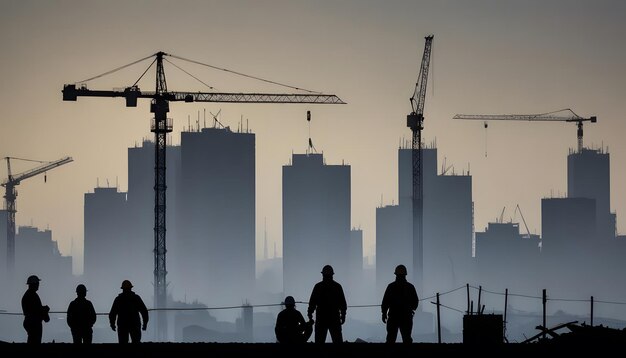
(507, 259)
(316, 223)
(140, 203)
(568, 231)
(109, 256)
(4, 294)
(405, 173)
(447, 219)
(447, 235)
(356, 255)
(3, 243)
(394, 244)
(568, 225)
(588, 176)
(36, 253)
(216, 216)
(356, 285)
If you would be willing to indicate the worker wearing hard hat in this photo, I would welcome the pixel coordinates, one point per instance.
(399, 304)
(81, 317)
(126, 311)
(329, 303)
(290, 324)
(34, 312)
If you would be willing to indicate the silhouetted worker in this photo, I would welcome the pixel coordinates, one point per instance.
(329, 301)
(127, 307)
(290, 324)
(34, 312)
(399, 304)
(81, 317)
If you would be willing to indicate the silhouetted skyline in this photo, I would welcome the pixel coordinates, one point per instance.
(490, 57)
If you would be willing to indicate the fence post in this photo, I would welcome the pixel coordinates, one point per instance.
(480, 290)
(506, 298)
(468, 299)
(591, 311)
(438, 321)
(544, 299)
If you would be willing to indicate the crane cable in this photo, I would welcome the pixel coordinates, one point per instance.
(144, 72)
(27, 160)
(548, 114)
(244, 75)
(113, 70)
(198, 63)
(194, 77)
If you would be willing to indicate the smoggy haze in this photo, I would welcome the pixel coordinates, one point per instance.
(488, 57)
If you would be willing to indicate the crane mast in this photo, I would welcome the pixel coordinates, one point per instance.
(10, 197)
(161, 126)
(415, 121)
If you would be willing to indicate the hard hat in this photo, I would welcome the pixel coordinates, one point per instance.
(81, 288)
(32, 279)
(289, 301)
(328, 270)
(400, 270)
(126, 285)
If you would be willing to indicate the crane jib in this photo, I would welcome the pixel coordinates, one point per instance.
(131, 94)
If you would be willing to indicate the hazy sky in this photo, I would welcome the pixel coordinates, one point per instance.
(488, 57)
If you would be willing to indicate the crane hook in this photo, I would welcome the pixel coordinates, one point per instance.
(486, 126)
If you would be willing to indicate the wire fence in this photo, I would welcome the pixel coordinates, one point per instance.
(421, 300)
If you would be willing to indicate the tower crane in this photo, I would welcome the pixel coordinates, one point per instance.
(161, 125)
(570, 116)
(11, 195)
(415, 121)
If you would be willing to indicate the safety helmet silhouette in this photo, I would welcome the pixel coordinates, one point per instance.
(400, 270)
(81, 289)
(328, 270)
(126, 285)
(32, 279)
(289, 301)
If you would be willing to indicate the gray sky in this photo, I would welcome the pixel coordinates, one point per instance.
(488, 57)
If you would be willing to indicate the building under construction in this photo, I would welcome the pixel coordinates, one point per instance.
(589, 176)
(109, 256)
(503, 253)
(447, 225)
(447, 246)
(215, 215)
(140, 206)
(316, 223)
(3, 242)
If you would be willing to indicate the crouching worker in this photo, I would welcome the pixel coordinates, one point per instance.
(290, 324)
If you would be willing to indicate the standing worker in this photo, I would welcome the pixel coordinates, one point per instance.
(81, 317)
(329, 301)
(34, 312)
(399, 304)
(291, 326)
(127, 307)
